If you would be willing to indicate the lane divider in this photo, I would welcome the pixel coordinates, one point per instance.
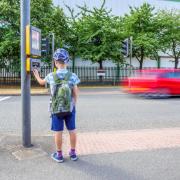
(5, 98)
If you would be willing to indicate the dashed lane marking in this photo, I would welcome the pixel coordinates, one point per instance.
(5, 98)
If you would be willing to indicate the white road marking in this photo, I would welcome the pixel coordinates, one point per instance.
(5, 98)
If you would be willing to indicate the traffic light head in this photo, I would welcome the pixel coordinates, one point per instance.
(125, 48)
(45, 46)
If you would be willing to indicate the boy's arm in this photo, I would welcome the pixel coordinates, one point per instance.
(75, 93)
(36, 74)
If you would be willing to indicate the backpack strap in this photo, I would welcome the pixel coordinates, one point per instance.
(55, 77)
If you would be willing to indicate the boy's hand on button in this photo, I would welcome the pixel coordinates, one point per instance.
(36, 73)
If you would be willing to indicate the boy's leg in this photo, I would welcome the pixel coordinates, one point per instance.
(58, 140)
(73, 139)
(57, 156)
(70, 124)
(57, 126)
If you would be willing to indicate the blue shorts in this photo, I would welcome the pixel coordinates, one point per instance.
(58, 122)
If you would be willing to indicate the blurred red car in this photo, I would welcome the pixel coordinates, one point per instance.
(154, 83)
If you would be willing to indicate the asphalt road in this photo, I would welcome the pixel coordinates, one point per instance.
(97, 110)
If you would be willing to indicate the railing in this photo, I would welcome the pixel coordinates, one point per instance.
(88, 75)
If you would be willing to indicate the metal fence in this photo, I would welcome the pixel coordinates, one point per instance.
(88, 75)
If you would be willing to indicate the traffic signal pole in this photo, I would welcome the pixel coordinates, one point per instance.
(25, 77)
(130, 54)
(52, 65)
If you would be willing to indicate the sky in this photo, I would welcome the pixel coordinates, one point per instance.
(119, 7)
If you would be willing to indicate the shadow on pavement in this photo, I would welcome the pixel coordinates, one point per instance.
(101, 171)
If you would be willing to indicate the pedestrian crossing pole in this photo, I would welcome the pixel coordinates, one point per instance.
(25, 77)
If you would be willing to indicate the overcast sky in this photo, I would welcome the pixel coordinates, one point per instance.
(119, 7)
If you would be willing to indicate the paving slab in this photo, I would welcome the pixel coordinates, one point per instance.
(30, 153)
(99, 142)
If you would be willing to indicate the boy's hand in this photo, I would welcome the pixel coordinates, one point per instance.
(36, 73)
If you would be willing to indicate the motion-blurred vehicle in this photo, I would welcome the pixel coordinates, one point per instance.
(154, 83)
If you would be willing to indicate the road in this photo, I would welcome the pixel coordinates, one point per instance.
(97, 110)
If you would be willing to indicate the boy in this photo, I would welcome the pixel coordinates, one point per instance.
(61, 59)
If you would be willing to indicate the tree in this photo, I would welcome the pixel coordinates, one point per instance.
(100, 35)
(170, 33)
(43, 15)
(140, 25)
(72, 37)
(9, 32)
(158, 43)
(59, 26)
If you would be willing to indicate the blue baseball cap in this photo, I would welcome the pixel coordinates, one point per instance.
(61, 55)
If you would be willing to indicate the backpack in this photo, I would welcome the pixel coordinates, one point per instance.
(61, 96)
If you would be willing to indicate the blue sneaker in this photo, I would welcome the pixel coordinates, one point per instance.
(57, 158)
(73, 155)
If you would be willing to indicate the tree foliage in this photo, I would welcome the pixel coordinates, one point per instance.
(140, 25)
(99, 35)
(93, 34)
(43, 15)
(9, 31)
(170, 33)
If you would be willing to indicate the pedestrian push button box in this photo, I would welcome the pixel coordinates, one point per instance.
(33, 64)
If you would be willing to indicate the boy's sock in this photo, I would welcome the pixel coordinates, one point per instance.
(73, 155)
(73, 151)
(59, 153)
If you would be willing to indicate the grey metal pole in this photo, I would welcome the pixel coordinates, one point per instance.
(25, 78)
(52, 51)
(130, 57)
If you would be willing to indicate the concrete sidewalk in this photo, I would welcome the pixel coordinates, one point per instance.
(112, 155)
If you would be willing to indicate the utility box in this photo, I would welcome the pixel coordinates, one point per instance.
(35, 64)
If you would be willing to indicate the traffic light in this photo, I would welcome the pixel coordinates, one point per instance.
(45, 46)
(125, 48)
